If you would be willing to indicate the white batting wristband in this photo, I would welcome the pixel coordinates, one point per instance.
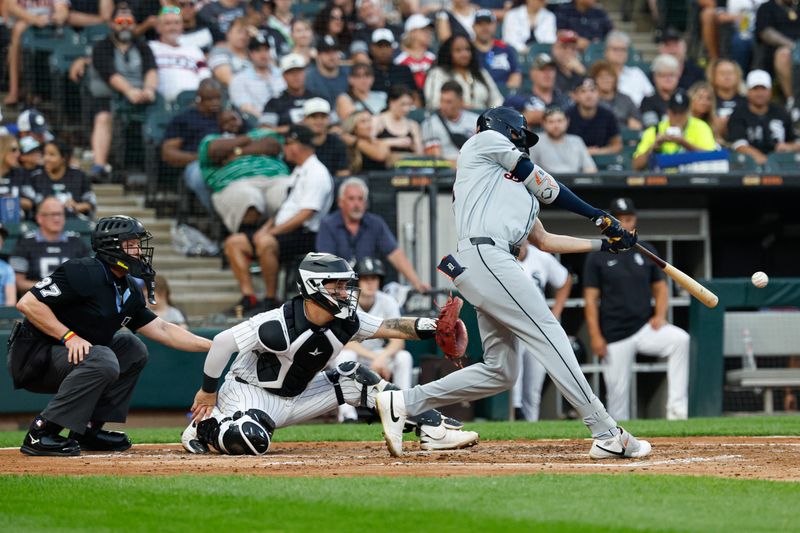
(542, 185)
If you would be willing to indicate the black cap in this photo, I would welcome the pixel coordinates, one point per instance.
(679, 101)
(622, 206)
(484, 15)
(670, 34)
(369, 266)
(257, 41)
(301, 134)
(328, 44)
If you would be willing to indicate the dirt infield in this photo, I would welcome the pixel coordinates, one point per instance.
(775, 458)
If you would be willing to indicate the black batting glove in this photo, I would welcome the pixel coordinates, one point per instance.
(620, 244)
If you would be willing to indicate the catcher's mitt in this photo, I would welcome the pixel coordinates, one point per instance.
(451, 333)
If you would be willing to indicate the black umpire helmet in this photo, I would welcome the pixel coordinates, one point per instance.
(315, 270)
(107, 237)
(511, 123)
(369, 266)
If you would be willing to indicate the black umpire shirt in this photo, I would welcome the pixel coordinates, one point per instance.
(87, 298)
(625, 282)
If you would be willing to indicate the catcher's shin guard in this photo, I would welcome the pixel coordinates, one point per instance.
(356, 384)
(244, 433)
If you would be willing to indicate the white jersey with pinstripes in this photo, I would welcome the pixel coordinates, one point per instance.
(488, 201)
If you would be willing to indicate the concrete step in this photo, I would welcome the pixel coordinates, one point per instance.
(134, 211)
(120, 202)
(186, 286)
(196, 275)
(205, 303)
(171, 263)
(108, 189)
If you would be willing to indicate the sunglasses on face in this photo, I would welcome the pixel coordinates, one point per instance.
(124, 21)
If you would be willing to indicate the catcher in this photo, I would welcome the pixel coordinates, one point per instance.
(277, 379)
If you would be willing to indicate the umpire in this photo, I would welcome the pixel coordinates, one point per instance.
(69, 342)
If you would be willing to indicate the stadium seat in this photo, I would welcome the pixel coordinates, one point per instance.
(184, 100)
(630, 137)
(742, 162)
(612, 162)
(79, 225)
(95, 33)
(48, 39)
(782, 161)
(534, 50)
(595, 52)
(418, 115)
(307, 10)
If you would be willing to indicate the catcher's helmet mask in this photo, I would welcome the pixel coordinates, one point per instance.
(511, 123)
(316, 270)
(107, 238)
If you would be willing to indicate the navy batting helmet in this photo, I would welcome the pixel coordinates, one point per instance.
(511, 124)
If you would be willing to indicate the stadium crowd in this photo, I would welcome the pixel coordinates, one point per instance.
(262, 108)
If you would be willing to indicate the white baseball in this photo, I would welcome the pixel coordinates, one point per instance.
(760, 279)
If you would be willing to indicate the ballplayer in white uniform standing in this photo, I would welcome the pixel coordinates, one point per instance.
(389, 359)
(544, 269)
(277, 378)
(496, 199)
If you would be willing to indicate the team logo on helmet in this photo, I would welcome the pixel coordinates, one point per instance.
(330, 282)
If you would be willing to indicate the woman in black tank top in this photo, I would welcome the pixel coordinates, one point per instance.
(366, 152)
(401, 134)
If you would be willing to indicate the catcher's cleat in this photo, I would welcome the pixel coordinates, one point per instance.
(391, 408)
(43, 444)
(446, 437)
(102, 440)
(191, 442)
(623, 445)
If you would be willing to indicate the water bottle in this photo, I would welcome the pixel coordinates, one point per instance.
(748, 357)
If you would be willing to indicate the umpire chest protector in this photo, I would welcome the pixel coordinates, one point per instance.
(292, 350)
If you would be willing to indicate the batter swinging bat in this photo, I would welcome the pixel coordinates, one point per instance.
(706, 297)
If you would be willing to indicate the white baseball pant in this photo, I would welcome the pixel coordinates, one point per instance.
(668, 341)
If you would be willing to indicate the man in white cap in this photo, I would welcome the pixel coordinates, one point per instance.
(387, 74)
(761, 127)
(329, 147)
(287, 109)
(415, 53)
(325, 77)
(32, 123)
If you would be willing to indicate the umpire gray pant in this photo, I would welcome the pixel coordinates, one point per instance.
(98, 389)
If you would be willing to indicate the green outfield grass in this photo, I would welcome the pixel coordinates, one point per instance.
(462, 504)
(755, 425)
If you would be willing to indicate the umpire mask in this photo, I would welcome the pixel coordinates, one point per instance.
(107, 241)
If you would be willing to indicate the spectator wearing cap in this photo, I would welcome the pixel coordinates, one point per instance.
(218, 16)
(26, 14)
(671, 42)
(230, 57)
(415, 50)
(330, 22)
(593, 123)
(387, 73)
(13, 179)
(194, 34)
(530, 22)
(326, 77)
(31, 123)
(590, 22)
(8, 280)
(370, 17)
(30, 154)
(558, 151)
(354, 233)
(184, 133)
(458, 61)
(287, 108)
(68, 184)
(778, 28)
(543, 92)
(458, 20)
(679, 132)
(569, 69)
(446, 130)
(292, 231)
(39, 252)
(605, 77)
(666, 73)
(631, 80)
(244, 171)
(761, 127)
(495, 56)
(180, 66)
(328, 146)
(251, 89)
(401, 134)
(622, 321)
(359, 95)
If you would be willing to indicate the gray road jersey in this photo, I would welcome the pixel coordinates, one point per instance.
(487, 201)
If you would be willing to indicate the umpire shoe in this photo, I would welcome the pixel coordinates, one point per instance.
(44, 444)
(391, 408)
(102, 441)
(623, 445)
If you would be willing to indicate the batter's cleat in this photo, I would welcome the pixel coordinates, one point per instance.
(191, 442)
(446, 437)
(391, 408)
(101, 440)
(623, 445)
(43, 444)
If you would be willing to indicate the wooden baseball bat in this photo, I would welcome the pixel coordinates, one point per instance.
(706, 297)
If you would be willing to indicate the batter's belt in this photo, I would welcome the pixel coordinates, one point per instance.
(513, 249)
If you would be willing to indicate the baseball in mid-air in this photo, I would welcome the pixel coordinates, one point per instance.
(760, 279)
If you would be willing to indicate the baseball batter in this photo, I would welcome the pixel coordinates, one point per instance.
(277, 378)
(497, 192)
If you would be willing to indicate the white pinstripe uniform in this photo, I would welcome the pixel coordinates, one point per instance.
(244, 389)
